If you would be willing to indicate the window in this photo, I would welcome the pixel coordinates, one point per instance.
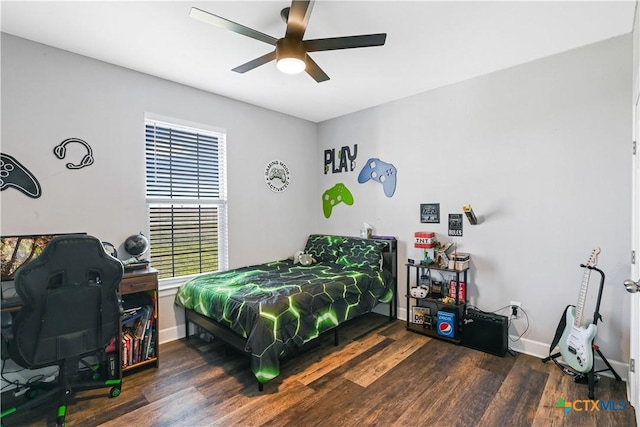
(186, 198)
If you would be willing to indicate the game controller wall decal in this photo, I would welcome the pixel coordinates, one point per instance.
(277, 176)
(382, 172)
(15, 175)
(337, 194)
(61, 150)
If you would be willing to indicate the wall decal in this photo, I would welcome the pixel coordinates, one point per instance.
(430, 213)
(337, 194)
(471, 215)
(382, 172)
(455, 225)
(346, 160)
(277, 176)
(14, 175)
(61, 150)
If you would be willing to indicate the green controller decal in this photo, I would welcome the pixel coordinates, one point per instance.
(337, 194)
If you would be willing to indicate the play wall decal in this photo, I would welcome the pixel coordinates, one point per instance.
(61, 150)
(343, 161)
(14, 175)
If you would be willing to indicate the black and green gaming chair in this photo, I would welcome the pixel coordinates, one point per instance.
(70, 314)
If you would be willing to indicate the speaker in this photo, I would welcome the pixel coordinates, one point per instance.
(485, 332)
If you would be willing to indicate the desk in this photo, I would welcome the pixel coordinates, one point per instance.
(9, 292)
(12, 309)
(135, 282)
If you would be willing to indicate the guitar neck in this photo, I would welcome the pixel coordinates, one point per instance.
(582, 297)
(593, 259)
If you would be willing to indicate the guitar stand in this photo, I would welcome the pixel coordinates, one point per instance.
(590, 377)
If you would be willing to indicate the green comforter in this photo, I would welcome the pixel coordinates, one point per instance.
(281, 305)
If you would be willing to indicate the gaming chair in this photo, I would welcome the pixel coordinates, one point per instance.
(70, 311)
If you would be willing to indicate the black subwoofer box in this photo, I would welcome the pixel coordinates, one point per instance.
(485, 332)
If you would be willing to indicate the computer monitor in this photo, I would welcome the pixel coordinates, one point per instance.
(16, 251)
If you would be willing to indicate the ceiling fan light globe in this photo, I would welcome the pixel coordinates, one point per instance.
(291, 65)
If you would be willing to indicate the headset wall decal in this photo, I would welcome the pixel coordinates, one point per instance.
(61, 150)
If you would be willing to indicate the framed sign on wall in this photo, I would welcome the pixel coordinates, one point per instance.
(455, 224)
(430, 213)
(277, 176)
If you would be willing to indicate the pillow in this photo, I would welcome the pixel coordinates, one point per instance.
(362, 253)
(323, 247)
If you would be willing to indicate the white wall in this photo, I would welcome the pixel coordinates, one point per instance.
(636, 49)
(49, 95)
(541, 152)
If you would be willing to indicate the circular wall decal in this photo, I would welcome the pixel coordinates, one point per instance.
(277, 176)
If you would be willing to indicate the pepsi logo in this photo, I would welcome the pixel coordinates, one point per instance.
(445, 328)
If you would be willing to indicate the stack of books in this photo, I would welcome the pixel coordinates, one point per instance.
(138, 334)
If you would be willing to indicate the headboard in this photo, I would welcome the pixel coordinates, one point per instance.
(390, 255)
(326, 248)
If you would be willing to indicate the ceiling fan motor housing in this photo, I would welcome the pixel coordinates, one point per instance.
(290, 49)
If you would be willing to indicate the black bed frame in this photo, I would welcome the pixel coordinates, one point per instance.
(232, 339)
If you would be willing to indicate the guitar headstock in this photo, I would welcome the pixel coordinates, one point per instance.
(593, 259)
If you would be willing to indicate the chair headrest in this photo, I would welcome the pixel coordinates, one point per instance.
(77, 259)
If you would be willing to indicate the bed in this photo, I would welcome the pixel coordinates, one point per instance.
(270, 310)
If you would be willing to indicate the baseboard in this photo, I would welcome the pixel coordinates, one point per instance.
(541, 350)
(174, 332)
(171, 334)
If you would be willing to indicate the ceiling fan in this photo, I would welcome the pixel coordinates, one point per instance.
(291, 51)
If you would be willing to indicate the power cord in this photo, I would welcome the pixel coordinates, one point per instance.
(87, 367)
(525, 329)
(23, 387)
(18, 384)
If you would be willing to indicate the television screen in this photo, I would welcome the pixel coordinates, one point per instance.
(16, 251)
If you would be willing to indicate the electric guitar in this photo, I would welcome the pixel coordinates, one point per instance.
(576, 341)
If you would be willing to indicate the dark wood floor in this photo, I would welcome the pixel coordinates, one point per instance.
(384, 377)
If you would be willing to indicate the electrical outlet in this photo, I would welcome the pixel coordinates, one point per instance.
(514, 309)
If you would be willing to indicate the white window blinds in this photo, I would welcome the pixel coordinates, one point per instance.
(186, 197)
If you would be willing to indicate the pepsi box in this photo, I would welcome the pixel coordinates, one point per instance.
(446, 324)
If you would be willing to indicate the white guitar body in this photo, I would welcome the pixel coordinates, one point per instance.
(575, 344)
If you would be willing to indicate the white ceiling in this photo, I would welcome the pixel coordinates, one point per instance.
(429, 44)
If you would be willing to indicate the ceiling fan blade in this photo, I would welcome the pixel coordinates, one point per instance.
(298, 19)
(218, 21)
(255, 63)
(315, 71)
(349, 42)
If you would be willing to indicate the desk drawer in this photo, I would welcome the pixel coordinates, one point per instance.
(139, 283)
